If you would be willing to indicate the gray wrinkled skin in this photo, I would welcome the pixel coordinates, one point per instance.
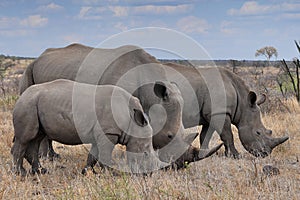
(49, 109)
(234, 104)
(118, 67)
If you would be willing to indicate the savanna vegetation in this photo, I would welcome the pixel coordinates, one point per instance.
(216, 177)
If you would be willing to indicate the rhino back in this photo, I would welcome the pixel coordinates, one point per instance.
(86, 64)
(60, 63)
(99, 66)
(217, 90)
(70, 118)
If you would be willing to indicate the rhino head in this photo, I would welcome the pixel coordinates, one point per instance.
(141, 157)
(166, 120)
(256, 139)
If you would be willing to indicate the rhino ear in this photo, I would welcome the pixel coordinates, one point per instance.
(160, 90)
(261, 99)
(174, 83)
(252, 97)
(140, 118)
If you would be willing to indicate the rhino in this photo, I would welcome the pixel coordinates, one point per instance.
(102, 116)
(130, 68)
(216, 98)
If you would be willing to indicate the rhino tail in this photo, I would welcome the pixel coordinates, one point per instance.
(205, 154)
(27, 78)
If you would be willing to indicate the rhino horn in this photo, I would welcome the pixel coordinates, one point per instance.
(190, 137)
(277, 141)
(206, 154)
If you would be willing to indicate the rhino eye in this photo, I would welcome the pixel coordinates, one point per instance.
(257, 132)
(170, 136)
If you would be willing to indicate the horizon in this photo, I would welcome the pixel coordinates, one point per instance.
(224, 30)
(168, 59)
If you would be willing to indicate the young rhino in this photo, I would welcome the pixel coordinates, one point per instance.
(75, 113)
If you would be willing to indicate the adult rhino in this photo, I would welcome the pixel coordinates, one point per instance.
(99, 115)
(223, 99)
(131, 68)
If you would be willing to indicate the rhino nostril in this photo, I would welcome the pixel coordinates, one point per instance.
(170, 135)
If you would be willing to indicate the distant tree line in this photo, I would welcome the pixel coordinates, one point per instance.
(14, 58)
(226, 63)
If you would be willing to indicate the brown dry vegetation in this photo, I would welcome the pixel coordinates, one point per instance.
(216, 177)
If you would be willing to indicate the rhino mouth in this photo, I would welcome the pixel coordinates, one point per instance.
(258, 150)
(260, 153)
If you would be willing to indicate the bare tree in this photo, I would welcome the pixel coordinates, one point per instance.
(292, 72)
(267, 51)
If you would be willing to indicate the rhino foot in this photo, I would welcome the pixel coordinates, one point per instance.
(233, 155)
(39, 171)
(232, 152)
(85, 170)
(20, 171)
(236, 156)
(52, 155)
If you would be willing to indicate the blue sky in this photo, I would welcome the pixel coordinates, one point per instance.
(226, 29)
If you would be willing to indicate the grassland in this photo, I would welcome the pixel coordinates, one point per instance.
(216, 177)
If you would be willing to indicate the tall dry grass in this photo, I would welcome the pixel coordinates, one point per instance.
(216, 177)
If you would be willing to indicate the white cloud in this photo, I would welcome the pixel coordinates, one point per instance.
(153, 9)
(123, 11)
(226, 28)
(113, 1)
(290, 6)
(119, 11)
(251, 8)
(88, 12)
(121, 26)
(6, 22)
(192, 24)
(50, 7)
(96, 2)
(254, 8)
(83, 11)
(34, 21)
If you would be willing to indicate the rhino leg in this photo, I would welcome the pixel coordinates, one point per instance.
(18, 151)
(91, 160)
(223, 127)
(32, 156)
(52, 153)
(46, 149)
(105, 145)
(205, 136)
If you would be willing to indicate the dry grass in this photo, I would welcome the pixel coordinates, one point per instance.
(216, 177)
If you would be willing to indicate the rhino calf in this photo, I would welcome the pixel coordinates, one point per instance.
(75, 113)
